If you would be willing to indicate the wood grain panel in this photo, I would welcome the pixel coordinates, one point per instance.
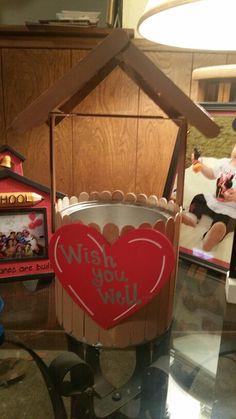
(2, 113)
(155, 147)
(29, 72)
(117, 94)
(104, 154)
(176, 66)
(26, 74)
(204, 60)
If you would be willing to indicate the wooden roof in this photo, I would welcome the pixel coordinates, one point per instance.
(7, 148)
(115, 50)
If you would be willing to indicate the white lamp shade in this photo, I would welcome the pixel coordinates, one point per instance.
(192, 24)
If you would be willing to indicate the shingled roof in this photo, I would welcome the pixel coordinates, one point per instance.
(116, 50)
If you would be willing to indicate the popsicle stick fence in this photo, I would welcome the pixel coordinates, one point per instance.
(154, 318)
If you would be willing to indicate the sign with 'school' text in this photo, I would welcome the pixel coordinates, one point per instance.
(111, 282)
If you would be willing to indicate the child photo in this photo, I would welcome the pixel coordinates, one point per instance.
(23, 235)
(209, 207)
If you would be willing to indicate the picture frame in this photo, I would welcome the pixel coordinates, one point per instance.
(191, 238)
(23, 235)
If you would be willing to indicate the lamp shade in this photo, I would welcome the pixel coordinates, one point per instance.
(191, 24)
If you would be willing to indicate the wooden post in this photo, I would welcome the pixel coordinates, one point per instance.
(52, 169)
(232, 269)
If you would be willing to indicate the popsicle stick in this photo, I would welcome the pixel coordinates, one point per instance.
(142, 198)
(94, 196)
(58, 300)
(105, 196)
(152, 200)
(172, 285)
(110, 232)
(66, 220)
(67, 313)
(77, 322)
(170, 229)
(145, 225)
(91, 330)
(76, 221)
(59, 205)
(162, 203)
(171, 206)
(95, 226)
(137, 331)
(125, 229)
(160, 226)
(106, 337)
(83, 197)
(65, 202)
(130, 197)
(73, 200)
(118, 196)
(58, 220)
(121, 336)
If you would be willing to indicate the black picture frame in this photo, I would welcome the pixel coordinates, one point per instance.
(190, 245)
(23, 234)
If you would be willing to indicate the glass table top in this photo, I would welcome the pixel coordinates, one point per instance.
(188, 373)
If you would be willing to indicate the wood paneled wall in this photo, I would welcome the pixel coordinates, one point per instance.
(95, 153)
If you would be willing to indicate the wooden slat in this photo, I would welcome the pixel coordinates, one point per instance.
(175, 270)
(2, 110)
(58, 301)
(98, 167)
(91, 330)
(106, 337)
(77, 322)
(121, 337)
(67, 312)
(154, 155)
(27, 73)
(137, 330)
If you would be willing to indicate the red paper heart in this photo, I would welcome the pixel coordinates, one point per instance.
(38, 222)
(35, 223)
(111, 282)
(32, 216)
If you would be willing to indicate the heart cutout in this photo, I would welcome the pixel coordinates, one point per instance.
(111, 282)
(32, 216)
(35, 224)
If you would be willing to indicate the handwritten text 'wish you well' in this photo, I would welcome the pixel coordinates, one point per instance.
(104, 272)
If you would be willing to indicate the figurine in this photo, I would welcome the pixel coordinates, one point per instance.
(196, 163)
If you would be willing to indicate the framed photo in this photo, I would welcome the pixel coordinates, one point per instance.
(23, 235)
(209, 151)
